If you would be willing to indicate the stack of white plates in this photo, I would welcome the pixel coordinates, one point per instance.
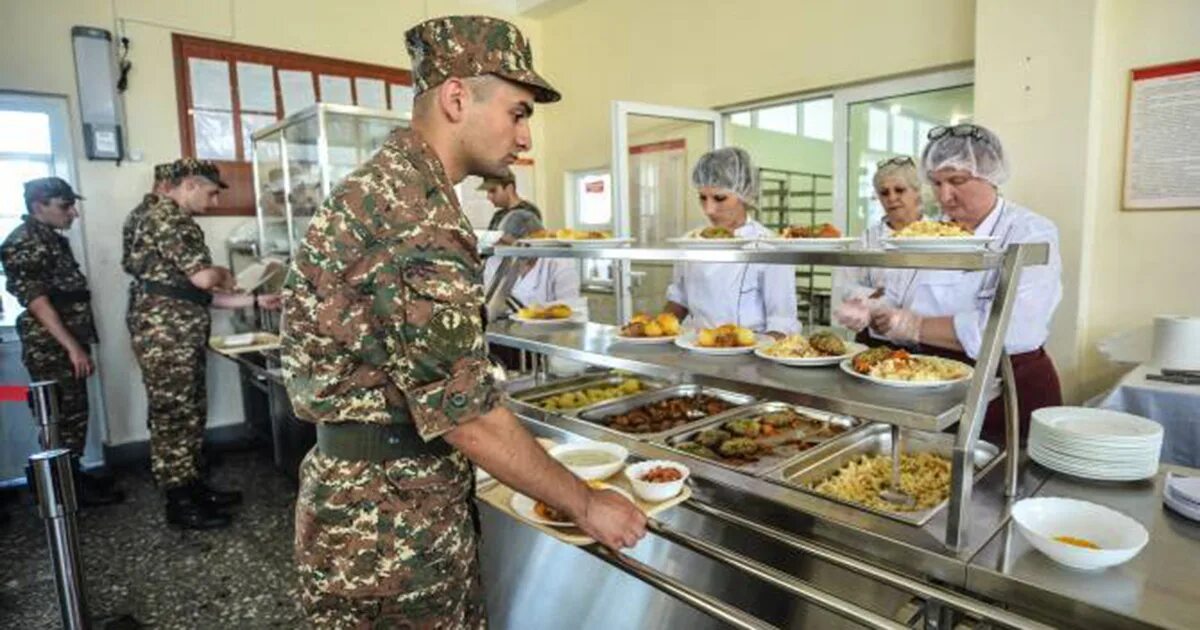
(1182, 494)
(1095, 443)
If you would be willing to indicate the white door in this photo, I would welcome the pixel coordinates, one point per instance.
(654, 150)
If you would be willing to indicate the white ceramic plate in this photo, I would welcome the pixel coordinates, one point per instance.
(709, 243)
(541, 241)
(1098, 424)
(852, 348)
(1040, 520)
(809, 243)
(598, 243)
(575, 318)
(523, 506)
(940, 243)
(646, 341)
(848, 368)
(687, 341)
(1097, 471)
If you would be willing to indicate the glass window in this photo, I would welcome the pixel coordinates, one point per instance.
(402, 97)
(210, 83)
(902, 134)
(297, 90)
(877, 129)
(335, 89)
(24, 132)
(740, 118)
(256, 87)
(818, 119)
(781, 118)
(370, 93)
(923, 129)
(214, 135)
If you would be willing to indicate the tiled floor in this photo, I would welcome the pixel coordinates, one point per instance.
(135, 565)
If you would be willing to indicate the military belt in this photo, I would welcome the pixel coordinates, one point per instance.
(189, 294)
(66, 298)
(359, 441)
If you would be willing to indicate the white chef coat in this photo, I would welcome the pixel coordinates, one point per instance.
(967, 295)
(758, 297)
(550, 280)
(860, 282)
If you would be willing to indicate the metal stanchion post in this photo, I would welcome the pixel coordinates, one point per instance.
(43, 402)
(52, 483)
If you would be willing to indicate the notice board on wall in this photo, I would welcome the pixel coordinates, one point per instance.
(1162, 137)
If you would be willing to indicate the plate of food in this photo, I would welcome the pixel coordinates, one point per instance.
(819, 349)
(722, 340)
(644, 329)
(815, 237)
(937, 235)
(898, 368)
(543, 514)
(709, 238)
(575, 238)
(545, 314)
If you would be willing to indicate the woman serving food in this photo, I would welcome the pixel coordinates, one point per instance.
(761, 298)
(944, 312)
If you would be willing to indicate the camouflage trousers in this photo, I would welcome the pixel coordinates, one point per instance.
(173, 369)
(49, 362)
(387, 545)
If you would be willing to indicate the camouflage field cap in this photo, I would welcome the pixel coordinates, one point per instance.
(188, 167)
(468, 46)
(492, 182)
(162, 172)
(47, 188)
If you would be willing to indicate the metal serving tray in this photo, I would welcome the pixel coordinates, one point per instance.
(535, 395)
(597, 413)
(784, 453)
(876, 439)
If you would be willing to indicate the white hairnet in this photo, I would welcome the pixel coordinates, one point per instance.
(906, 171)
(970, 148)
(729, 168)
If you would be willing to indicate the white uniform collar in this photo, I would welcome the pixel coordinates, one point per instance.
(988, 226)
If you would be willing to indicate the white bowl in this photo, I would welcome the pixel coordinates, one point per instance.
(1041, 520)
(655, 492)
(599, 471)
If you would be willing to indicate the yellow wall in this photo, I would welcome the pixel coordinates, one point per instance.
(1141, 263)
(708, 53)
(36, 56)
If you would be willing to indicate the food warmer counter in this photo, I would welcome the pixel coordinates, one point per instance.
(759, 548)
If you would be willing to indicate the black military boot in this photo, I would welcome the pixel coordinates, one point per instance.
(183, 511)
(203, 494)
(92, 491)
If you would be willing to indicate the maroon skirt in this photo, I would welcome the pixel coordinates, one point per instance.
(1037, 386)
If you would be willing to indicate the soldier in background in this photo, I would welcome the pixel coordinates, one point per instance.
(383, 348)
(514, 216)
(57, 327)
(174, 284)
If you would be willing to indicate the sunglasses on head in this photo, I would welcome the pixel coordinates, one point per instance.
(899, 160)
(965, 130)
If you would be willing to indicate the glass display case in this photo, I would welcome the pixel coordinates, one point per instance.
(299, 159)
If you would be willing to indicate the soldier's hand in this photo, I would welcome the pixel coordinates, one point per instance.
(81, 363)
(612, 520)
(269, 301)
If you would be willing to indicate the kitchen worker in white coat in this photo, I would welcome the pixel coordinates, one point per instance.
(759, 297)
(898, 188)
(944, 312)
(542, 280)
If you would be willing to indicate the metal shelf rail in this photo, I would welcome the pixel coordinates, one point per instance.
(818, 388)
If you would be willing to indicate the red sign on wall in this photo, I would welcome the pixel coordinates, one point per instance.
(596, 186)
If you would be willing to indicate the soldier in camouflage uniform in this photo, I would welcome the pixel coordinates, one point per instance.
(174, 284)
(57, 328)
(514, 216)
(383, 348)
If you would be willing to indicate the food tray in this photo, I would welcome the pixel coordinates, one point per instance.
(597, 413)
(534, 396)
(784, 451)
(876, 439)
(500, 496)
(257, 341)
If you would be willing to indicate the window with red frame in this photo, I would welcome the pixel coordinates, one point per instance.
(227, 91)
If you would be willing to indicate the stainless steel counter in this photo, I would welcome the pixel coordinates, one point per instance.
(828, 388)
(1158, 588)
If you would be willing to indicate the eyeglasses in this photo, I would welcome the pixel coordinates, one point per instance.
(899, 160)
(965, 130)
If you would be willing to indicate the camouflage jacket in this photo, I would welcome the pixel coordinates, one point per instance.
(382, 307)
(38, 261)
(501, 215)
(163, 243)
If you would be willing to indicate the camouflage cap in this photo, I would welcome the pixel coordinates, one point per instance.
(47, 188)
(468, 46)
(162, 172)
(188, 167)
(491, 182)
